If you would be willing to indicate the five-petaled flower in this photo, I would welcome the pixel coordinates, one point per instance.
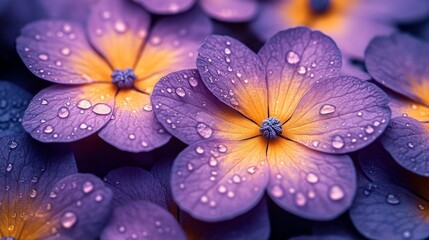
(399, 62)
(279, 120)
(106, 73)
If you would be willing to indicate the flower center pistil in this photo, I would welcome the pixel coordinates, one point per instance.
(271, 128)
(124, 78)
(320, 6)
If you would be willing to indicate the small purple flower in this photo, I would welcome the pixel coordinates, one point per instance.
(399, 62)
(223, 10)
(391, 202)
(219, 110)
(352, 24)
(43, 197)
(106, 73)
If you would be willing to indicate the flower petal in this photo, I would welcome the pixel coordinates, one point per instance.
(76, 10)
(129, 183)
(185, 107)
(13, 102)
(402, 106)
(142, 220)
(407, 140)
(399, 62)
(295, 60)
(383, 209)
(253, 225)
(235, 75)
(171, 47)
(69, 113)
(58, 51)
(166, 6)
(339, 115)
(216, 180)
(77, 208)
(134, 127)
(28, 170)
(230, 11)
(117, 29)
(310, 184)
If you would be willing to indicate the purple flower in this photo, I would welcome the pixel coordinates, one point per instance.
(106, 73)
(291, 85)
(391, 202)
(352, 24)
(43, 197)
(223, 10)
(399, 63)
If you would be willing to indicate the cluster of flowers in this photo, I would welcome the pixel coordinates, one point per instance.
(298, 123)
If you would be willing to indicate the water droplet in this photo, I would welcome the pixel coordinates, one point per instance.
(48, 129)
(312, 178)
(190, 167)
(337, 142)
(199, 150)
(83, 126)
(277, 191)
(222, 189)
(292, 57)
(227, 51)
(120, 26)
(65, 51)
(68, 220)
(98, 198)
(392, 199)
(212, 162)
(63, 112)
(359, 114)
(369, 129)
(230, 194)
(87, 187)
(327, 109)
(252, 169)
(336, 193)
(9, 167)
(102, 109)
(131, 136)
(13, 144)
(43, 57)
(233, 101)
(406, 234)
(33, 193)
(315, 143)
(410, 145)
(193, 82)
(236, 178)
(300, 199)
(180, 92)
(148, 107)
(34, 179)
(84, 104)
(222, 148)
(204, 130)
(44, 102)
(204, 199)
(302, 70)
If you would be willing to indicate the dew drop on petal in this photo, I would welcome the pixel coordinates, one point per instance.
(120, 26)
(222, 148)
(410, 145)
(222, 189)
(65, 51)
(315, 143)
(336, 193)
(204, 130)
(233, 101)
(213, 162)
(44, 102)
(68, 219)
(312, 178)
(337, 142)
(9, 167)
(292, 57)
(13, 144)
(302, 70)
(276, 191)
(147, 107)
(227, 51)
(199, 150)
(392, 199)
(48, 129)
(87, 187)
(236, 178)
(193, 82)
(180, 92)
(63, 112)
(252, 169)
(84, 104)
(102, 109)
(300, 199)
(369, 129)
(406, 234)
(327, 109)
(33, 193)
(43, 57)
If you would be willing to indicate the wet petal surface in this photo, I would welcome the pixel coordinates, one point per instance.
(407, 140)
(230, 11)
(339, 115)
(218, 180)
(117, 29)
(129, 183)
(134, 127)
(295, 60)
(310, 184)
(172, 46)
(190, 112)
(166, 6)
(58, 51)
(68, 113)
(235, 75)
(142, 220)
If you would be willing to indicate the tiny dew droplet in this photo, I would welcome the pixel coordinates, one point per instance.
(392, 199)
(233, 101)
(180, 92)
(68, 219)
(292, 57)
(336, 193)
(204, 130)
(63, 112)
(148, 107)
(302, 70)
(43, 57)
(102, 109)
(84, 104)
(337, 142)
(327, 109)
(13, 144)
(87, 187)
(312, 178)
(48, 129)
(276, 191)
(300, 199)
